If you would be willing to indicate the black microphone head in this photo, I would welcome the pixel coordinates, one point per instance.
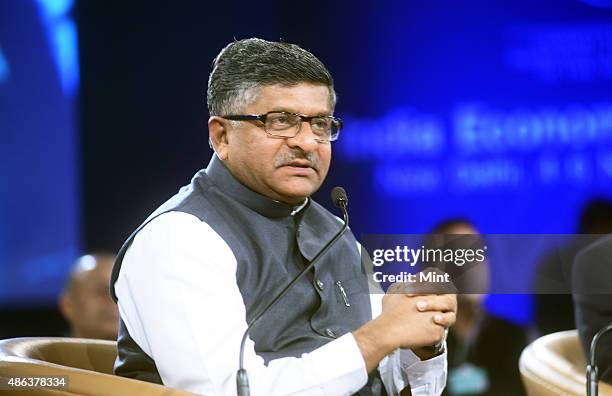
(338, 196)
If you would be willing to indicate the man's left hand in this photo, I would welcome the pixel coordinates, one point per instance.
(444, 313)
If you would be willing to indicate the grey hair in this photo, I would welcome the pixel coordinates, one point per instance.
(245, 65)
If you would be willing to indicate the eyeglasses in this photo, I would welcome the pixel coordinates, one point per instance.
(282, 124)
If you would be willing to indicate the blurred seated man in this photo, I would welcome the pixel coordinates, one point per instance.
(483, 350)
(592, 272)
(554, 311)
(86, 302)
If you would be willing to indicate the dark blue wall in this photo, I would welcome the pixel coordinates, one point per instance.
(495, 111)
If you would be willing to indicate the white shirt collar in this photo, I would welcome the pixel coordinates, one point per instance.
(299, 207)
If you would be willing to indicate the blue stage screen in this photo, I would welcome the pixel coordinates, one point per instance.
(498, 112)
(39, 197)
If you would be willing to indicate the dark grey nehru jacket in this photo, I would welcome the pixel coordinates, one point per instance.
(271, 245)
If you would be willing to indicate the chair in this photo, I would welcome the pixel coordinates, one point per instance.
(555, 365)
(88, 365)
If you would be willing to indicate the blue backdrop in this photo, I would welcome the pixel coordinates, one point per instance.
(499, 112)
(39, 201)
(495, 111)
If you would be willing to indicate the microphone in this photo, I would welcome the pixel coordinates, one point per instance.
(340, 200)
(592, 384)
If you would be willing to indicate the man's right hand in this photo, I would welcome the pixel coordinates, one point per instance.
(407, 321)
(413, 321)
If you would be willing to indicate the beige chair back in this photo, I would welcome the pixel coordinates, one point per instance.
(88, 365)
(554, 365)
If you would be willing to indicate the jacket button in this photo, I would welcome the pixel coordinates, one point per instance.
(319, 284)
(330, 333)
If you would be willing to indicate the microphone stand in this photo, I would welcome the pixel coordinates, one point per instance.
(592, 385)
(242, 379)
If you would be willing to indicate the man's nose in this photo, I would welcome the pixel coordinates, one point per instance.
(305, 139)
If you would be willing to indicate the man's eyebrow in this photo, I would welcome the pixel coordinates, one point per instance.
(287, 110)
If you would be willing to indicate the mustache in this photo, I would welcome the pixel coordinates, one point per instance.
(287, 157)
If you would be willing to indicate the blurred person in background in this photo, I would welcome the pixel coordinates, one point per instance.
(86, 302)
(553, 307)
(592, 272)
(483, 350)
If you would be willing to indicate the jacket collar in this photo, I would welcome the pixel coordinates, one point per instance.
(229, 185)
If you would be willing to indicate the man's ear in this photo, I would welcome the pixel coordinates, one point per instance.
(66, 306)
(217, 133)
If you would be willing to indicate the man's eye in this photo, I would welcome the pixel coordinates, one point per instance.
(320, 124)
(281, 121)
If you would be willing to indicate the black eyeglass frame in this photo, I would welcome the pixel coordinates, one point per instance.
(263, 117)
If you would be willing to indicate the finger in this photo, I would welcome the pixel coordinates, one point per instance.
(401, 288)
(445, 319)
(442, 303)
(412, 289)
(451, 300)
